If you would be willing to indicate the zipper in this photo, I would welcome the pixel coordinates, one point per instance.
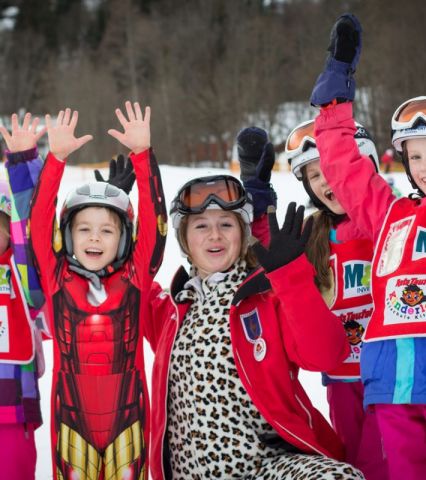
(306, 411)
(176, 318)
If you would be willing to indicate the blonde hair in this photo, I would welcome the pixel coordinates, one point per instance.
(246, 253)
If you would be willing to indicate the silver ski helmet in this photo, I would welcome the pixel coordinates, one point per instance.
(99, 194)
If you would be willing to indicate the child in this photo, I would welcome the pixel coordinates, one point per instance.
(343, 264)
(394, 352)
(97, 286)
(21, 360)
(229, 340)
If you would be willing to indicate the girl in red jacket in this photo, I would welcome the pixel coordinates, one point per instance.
(393, 367)
(229, 340)
(343, 263)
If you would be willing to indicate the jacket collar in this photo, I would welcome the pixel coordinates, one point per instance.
(255, 283)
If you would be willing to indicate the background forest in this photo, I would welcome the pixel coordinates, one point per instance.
(206, 67)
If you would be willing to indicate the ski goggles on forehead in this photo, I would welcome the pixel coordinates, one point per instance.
(224, 190)
(409, 114)
(301, 138)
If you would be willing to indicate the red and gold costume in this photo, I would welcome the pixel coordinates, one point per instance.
(100, 411)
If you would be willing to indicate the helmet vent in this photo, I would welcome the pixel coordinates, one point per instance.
(83, 190)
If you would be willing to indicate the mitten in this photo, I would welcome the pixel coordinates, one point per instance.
(337, 81)
(121, 174)
(286, 244)
(257, 157)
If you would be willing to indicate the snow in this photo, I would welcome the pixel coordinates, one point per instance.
(288, 189)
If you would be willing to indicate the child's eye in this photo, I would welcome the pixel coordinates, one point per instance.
(227, 224)
(107, 230)
(83, 229)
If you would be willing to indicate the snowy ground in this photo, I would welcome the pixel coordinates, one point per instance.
(288, 189)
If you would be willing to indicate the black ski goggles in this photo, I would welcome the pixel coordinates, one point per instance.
(224, 190)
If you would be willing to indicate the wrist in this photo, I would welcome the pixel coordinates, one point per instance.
(21, 156)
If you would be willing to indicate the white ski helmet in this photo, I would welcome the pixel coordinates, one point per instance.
(408, 121)
(301, 147)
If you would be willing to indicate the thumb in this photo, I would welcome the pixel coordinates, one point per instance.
(266, 162)
(260, 252)
(83, 140)
(98, 176)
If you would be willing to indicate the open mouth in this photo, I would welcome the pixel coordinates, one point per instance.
(329, 195)
(92, 252)
(215, 250)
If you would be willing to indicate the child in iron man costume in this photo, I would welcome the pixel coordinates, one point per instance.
(97, 287)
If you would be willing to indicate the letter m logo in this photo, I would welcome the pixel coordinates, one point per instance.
(419, 247)
(354, 284)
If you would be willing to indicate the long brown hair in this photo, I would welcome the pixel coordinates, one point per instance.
(318, 249)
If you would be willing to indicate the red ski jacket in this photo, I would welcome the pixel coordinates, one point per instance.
(299, 331)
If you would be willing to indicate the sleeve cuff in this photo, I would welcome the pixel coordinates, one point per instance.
(21, 157)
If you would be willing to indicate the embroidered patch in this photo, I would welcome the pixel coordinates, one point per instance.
(405, 300)
(253, 332)
(393, 247)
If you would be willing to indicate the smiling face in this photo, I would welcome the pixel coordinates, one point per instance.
(416, 156)
(95, 236)
(321, 189)
(214, 240)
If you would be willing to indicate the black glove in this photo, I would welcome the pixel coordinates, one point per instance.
(257, 157)
(121, 174)
(256, 154)
(286, 244)
(344, 40)
(337, 81)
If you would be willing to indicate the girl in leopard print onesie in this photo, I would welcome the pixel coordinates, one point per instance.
(229, 340)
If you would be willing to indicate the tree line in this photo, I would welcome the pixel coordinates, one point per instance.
(206, 67)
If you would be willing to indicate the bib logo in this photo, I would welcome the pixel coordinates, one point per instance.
(354, 321)
(4, 279)
(419, 247)
(405, 300)
(356, 280)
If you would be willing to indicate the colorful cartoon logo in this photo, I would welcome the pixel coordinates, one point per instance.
(354, 332)
(405, 300)
(412, 295)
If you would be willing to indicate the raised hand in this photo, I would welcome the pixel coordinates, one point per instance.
(121, 174)
(23, 137)
(337, 81)
(137, 133)
(286, 244)
(62, 141)
(257, 157)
